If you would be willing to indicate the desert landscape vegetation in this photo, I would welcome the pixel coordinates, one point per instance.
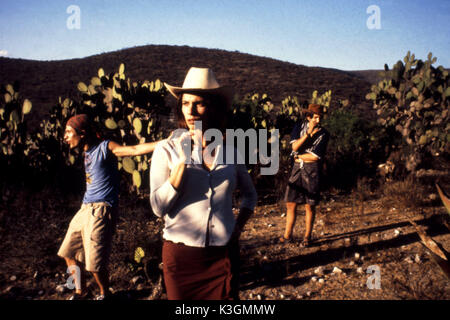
(386, 173)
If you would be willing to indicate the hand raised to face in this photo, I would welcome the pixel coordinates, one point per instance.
(314, 124)
(183, 146)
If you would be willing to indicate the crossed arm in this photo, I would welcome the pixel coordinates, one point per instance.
(299, 142)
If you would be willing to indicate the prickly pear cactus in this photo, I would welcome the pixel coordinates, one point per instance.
(324, 99)
(123, 111)
(13, 127)
(414, 99)
(127, 112)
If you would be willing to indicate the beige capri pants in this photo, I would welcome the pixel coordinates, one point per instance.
(89, 236)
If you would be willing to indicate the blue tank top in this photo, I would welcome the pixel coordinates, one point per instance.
(102, 175)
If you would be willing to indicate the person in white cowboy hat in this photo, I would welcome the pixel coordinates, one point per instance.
(195, 197)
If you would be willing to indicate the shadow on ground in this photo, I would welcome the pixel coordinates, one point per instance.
(276, 273)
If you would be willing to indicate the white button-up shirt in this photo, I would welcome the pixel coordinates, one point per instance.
(203, 203)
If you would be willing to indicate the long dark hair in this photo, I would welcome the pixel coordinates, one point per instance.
(217, 110)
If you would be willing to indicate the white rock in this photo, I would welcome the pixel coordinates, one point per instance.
(61, 288)
(351, 263)
(314, 279)
(251, 296)
(319, 270)
(409, 260)
(259, 297)
(417, 258)
(8, 289)
(140, 287)
(360, 270)
(357, 255)
(321, 280)
(337, 270)
(13, 278)
(308, 293)
(283, 215)
(281, 296)
(397, 232)
(136, 280)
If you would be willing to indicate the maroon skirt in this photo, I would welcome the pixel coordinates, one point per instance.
(192, 273)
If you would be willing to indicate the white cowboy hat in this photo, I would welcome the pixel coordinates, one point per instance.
(200, 80)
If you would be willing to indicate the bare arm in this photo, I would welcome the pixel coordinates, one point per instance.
(298, 143)
(308, 157)
(136, 150)
(312, 130)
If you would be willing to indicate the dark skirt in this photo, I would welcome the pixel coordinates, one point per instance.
(304, 184)
(192, 273)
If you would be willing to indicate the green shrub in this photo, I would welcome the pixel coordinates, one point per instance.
(414, 100)
(356, 147)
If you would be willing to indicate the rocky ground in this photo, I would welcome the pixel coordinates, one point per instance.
(354, 240)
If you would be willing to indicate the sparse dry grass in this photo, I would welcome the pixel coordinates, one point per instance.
(406, 194)
(33, 227)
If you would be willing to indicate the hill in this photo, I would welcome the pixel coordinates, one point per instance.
(372, 76)
(43, 81)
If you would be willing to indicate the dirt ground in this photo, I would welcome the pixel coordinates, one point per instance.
(352, 237)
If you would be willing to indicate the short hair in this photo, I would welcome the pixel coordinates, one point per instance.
(83, 125)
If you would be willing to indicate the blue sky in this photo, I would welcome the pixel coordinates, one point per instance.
(325, 33)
